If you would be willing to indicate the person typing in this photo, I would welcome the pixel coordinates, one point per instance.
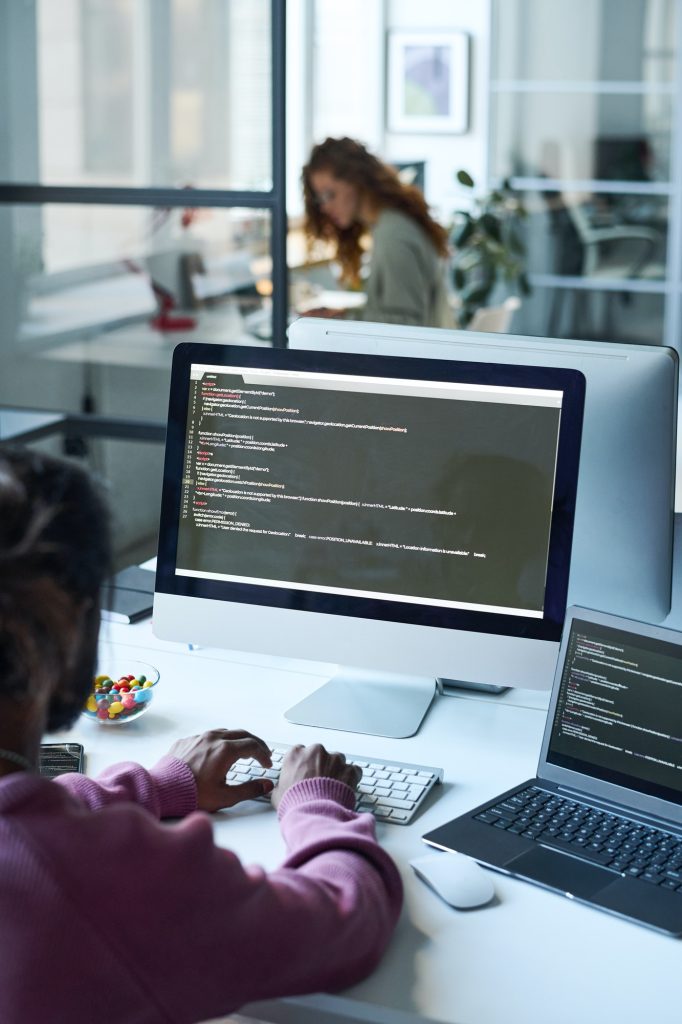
(129, 918)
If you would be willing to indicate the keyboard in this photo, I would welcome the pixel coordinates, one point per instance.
(621, 844)
(390, 790)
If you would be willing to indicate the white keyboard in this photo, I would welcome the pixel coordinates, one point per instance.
(391, 790)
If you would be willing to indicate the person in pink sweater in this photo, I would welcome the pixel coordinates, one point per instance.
(107, 913)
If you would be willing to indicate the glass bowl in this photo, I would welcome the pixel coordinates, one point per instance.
(121, 692)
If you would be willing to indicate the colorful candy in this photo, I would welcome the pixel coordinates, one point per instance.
(114, 700)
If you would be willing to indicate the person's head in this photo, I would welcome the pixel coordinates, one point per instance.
(54, 556)
(345, 187)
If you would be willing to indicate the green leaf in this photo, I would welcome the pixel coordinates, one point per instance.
(458, 277)
(491, 225)
(464, 178)
(463, 232)
(495, 250)
(469, 259)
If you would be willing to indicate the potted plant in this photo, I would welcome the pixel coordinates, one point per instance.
(489, 248)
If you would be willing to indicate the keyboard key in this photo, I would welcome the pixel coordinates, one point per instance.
(504, 811)
(489, 817)
(389, 801)
(651, 876)
(401, 816)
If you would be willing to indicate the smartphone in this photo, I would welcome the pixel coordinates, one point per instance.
(59, 758)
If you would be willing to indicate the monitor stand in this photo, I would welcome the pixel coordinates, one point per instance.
(374, 703)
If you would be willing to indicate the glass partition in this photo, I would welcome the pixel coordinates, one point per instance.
(592, 313)
(166, 94)
(613, 41)
(596, 234)
(584, 121)
(124, 275)
(579, 135)
(95, 299)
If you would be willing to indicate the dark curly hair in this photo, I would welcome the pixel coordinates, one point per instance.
(350, 161)
(54, 557)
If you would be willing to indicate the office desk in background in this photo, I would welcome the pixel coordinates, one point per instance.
(530, 957)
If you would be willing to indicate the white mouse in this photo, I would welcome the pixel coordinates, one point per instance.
(458, 880)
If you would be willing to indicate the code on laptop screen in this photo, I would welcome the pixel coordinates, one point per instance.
(619, 712)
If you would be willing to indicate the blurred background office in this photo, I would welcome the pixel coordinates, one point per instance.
(150, 162)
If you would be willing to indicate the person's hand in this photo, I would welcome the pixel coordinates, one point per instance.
(210, 757)
(325, 312)
(311, 763)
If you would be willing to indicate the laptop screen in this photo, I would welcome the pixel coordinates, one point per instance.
(618, 715)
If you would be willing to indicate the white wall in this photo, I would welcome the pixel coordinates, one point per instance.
(335, 76)
(339, 88)
(446, 154)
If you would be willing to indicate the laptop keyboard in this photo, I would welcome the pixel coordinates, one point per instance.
(390, 790)
(618, 843)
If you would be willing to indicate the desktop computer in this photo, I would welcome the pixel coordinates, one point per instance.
(411, 518)
(623, 534)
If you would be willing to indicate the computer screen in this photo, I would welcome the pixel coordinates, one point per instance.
(623, 535)
(372, 511)
(612, 719)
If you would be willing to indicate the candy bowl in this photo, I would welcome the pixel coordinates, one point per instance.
(122, 693)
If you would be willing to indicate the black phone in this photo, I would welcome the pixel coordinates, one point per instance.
(59, 758)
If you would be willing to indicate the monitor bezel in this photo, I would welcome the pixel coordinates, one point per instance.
(570, 382)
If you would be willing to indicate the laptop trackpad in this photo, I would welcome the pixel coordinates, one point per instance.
(561, 872)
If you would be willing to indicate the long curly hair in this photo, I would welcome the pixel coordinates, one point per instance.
(376, 182)
(54, 556)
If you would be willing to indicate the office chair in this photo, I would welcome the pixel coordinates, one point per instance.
(617, 251)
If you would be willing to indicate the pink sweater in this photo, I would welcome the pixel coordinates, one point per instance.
(108, 916)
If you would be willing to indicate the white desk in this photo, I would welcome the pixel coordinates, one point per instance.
(531, 957)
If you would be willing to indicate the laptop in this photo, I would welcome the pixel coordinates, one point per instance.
(601, 822)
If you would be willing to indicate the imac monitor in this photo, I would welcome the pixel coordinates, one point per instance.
(623, 534)
(408, 517)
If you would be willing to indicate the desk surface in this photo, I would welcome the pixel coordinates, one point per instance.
(530, 956)
(23, 425)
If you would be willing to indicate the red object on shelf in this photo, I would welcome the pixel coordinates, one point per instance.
(165, 320)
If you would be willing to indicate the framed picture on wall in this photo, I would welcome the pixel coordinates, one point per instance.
(428, 82)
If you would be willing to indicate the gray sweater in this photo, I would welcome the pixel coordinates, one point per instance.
(406, 283)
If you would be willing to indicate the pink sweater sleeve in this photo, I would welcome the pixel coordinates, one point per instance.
(203, 933)
(167, 790)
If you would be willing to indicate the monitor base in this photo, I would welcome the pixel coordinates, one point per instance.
(373, 703)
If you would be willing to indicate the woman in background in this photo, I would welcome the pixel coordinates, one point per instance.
(348, 194)
(106, 913)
